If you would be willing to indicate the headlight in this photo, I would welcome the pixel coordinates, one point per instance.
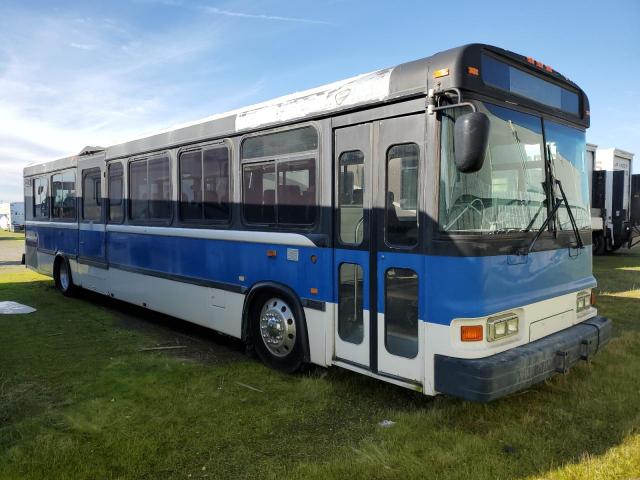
(502, 326)
(583, 301)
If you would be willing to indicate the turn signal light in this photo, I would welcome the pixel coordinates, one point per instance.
(471, 333)
(593, 297)
(473, 71)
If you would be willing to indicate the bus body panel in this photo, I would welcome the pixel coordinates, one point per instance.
(203, 273)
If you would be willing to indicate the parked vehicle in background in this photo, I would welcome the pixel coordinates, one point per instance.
(12, 216)
(427, 225)
(611, 220)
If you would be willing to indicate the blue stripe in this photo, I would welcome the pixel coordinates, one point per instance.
(451, 287)
(225, 261)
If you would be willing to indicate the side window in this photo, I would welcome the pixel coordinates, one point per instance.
(91, 195)
(40, 197)
(350, 196)
(296, 197)
(280, 143)
(64, 195)
(116, 206)
(259, 192)
(204, 185)
(401, 212)
(150, 189)
(281, 186)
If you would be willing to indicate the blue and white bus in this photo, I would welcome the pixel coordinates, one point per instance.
(427, 225)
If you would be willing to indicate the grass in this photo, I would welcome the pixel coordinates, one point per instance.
(78, 400)
(5, 235)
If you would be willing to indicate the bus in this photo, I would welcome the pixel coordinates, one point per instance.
(427, 225)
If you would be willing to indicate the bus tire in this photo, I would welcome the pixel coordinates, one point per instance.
(277, 331)
(598, 243)
(62, 277)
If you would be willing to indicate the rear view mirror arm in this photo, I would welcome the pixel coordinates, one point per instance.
(432, 95)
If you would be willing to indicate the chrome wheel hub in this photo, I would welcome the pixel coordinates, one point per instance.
(64, 276)
(278, 327)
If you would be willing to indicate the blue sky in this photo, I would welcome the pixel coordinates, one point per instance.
(86, 73)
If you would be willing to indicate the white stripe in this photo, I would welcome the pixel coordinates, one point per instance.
(92, 227)
(276, 238)
(68, 225)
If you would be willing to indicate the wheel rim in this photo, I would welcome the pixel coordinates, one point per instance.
(278, 327)
(64, 276)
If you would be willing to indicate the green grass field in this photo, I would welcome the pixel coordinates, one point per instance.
(79, 400)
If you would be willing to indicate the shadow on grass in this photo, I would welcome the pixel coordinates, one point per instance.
(203, 344)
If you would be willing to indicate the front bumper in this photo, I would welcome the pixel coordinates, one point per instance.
(485, 379)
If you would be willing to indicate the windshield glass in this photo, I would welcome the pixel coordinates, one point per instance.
(566, 147)
(508, 193)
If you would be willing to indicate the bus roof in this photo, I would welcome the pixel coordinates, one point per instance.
(382, 86)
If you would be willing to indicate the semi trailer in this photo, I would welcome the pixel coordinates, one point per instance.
(613, 224)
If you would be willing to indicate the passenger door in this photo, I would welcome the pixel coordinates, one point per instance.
(399, 265)
(353, 200)
(91, 236)
(377, 265)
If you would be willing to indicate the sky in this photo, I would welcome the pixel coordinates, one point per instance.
(99, 73)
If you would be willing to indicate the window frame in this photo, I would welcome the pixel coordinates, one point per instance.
(339, 183)
(47, 198)
(123, 197)
(276, 161)
(386, 312)
(202, 148)
(85, 173)
(473, 243)
(150, 221)
(75, 196)
(314, 155)
(385, 166)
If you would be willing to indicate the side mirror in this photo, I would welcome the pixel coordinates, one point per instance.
(470, 139)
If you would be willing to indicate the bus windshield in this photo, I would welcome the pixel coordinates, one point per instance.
(509, 193)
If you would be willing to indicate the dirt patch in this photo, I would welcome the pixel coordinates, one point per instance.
(11, 251)
(203, 345)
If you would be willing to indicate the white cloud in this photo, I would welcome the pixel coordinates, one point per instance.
(82, 46)
(229, 13)
(114, 83)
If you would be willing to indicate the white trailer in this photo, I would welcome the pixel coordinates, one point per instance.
(610, 198)
(12, 216)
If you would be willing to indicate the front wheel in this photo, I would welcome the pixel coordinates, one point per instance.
(63, 279)
(277, 334)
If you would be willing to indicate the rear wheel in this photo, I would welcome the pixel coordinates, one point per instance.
(277, 334)
(62, 277)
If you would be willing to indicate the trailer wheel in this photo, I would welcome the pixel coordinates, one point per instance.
(276, 332)
(62, 277)
(599, 247)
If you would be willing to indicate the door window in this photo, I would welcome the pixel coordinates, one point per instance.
(401, 202)
(116, 207)
(41, 197)
(91, 195)
(351, 196)
(350, 305)
(401, 312)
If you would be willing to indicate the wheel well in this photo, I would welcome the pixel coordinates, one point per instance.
(259, 291)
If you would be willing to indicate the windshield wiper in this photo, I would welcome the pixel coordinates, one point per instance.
(558, 203)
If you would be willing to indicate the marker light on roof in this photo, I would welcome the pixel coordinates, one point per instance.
(443, 72)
